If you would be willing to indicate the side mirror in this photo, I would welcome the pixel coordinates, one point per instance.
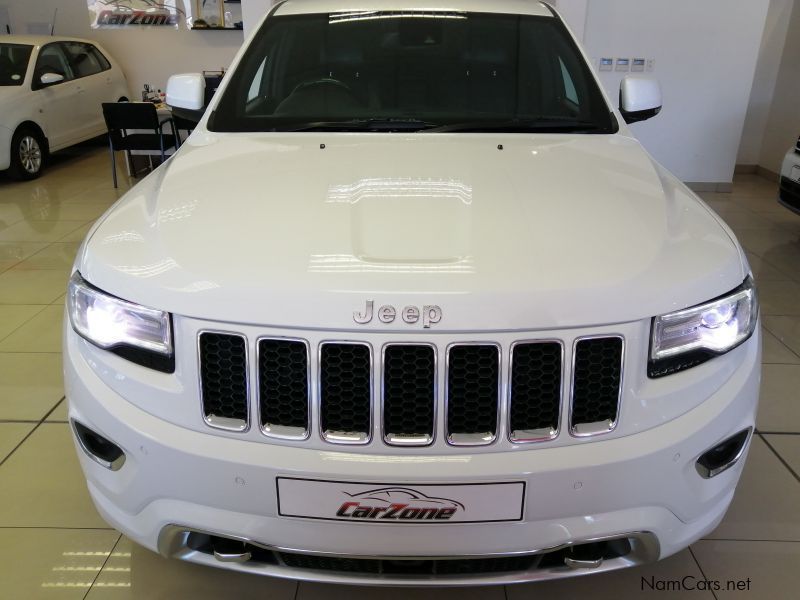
(51, 78)
(639, 98)
(187, 91)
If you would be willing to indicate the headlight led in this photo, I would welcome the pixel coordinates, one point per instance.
(691, 336)
(117, 325)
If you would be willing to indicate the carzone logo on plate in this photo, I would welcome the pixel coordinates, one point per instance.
(399, 504)
(131, 13)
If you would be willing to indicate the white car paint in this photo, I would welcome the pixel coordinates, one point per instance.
(66, 113)
(789, 194)
(552, 237)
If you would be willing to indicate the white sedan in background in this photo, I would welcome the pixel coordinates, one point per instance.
(51, 91)
(790, 179)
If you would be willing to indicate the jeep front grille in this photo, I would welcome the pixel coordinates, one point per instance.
(404, 392)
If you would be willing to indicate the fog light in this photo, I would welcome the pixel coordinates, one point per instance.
(722, 456)
(98, 448)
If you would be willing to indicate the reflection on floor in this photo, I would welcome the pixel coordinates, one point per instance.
(54, 545)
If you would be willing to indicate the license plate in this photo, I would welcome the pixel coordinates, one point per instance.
(391, 503)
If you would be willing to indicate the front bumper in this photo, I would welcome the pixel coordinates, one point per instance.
(789, 194)
(643, 483)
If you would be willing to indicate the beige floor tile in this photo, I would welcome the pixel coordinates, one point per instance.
(78, 235)
(779, 409)
(321, 591)
(779, 297)
(786, 329)
(133, 572)
(765, 271)
(40, 334)
(12, 434)
(82, 210)
(60, 414)
(788, 446)
(31, 287)
(785, 259)
(42, 484)
(58, 256)
(12, 253)
(626, 583)
(39, 231)
(775, 352)
(746, 219)
(13, 316)
(766, 501)
(30, 385)
(763, 241)
(51, 564)
(765, 569)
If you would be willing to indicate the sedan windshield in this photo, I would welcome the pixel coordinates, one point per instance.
(14, 63)
(413, 71)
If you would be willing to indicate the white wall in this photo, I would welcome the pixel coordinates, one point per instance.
(253, 11)
(146, 55)
(705, 55)
(783, 123)
(769, 61)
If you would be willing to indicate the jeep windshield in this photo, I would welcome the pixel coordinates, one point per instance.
(413, 71)
(14, 63)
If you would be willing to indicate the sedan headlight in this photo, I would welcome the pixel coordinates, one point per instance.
(689, 337)
(140, 334)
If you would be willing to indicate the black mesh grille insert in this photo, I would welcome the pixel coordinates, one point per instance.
(283, 383)
(223, 374)
(409, 376)
(345, 388)
(409, 567)
(535, 386)
(472, 380)
(597, 378)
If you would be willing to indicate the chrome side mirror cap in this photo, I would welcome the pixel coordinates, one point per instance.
(639, 98)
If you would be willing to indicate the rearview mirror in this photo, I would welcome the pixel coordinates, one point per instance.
(186, 91)
(51, 78)
(639, 98)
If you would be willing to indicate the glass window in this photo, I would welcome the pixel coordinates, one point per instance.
(104, 64)
(14, 60)
(52, 60)
(84, 61)
(463, 71)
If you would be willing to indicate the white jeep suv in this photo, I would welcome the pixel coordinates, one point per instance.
(412, 306)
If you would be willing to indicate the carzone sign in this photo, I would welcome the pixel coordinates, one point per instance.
(112, 14)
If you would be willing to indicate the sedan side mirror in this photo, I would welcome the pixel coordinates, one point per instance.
(639, 98)
(187, 91)
(51, 78)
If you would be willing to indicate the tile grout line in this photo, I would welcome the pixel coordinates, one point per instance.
(21, 325)
(780, 341)
(779, 457)
(103, 566)
(697, 562)
(748, 540)
(778, 432)
(30, 433)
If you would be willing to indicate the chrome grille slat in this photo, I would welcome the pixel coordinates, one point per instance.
(535, 390)
(473, 393)
(284, 387)
(224, 381)
(409, 394)
(345, 392)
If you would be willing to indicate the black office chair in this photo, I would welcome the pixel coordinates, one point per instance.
(123, 116)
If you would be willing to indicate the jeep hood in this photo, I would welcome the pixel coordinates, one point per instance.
(503, 232)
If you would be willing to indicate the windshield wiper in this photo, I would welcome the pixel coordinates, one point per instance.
(377, 124)
(543, 125)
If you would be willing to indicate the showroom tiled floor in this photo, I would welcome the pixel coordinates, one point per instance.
(54, 545)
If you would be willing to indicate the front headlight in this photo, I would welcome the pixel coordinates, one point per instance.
(139, 334)
(692, 336)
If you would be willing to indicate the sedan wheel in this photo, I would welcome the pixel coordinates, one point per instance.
(30, 155)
